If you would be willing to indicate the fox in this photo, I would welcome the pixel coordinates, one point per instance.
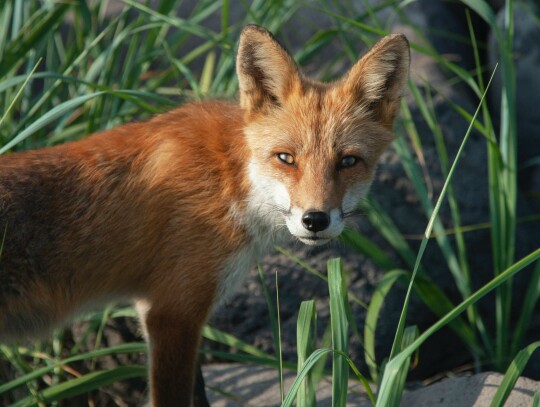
(172, 212)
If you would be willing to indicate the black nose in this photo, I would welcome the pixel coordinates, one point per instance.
(315, 221)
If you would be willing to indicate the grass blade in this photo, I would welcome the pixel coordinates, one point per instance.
(308, 365)
(243, 358)
(361, 244)
(19, 92)
(306, 326)
(37, 373)
(50, 117)
(430, 294)
(229, 340)
(279, 351)
(512, 374)
(372, 316)
(536, 400)
(274, 322)
(396, 364)
(84, 384)
(340, 331)
(409, 335)
(387, 228)
(527, 309)
(33, 32)
(429, 228)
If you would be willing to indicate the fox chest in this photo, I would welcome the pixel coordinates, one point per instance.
(238, 265)
(235, 272)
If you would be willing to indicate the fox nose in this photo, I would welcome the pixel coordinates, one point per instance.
(315, 221)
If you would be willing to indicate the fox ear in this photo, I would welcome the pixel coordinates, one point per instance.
(266, 72)
(376, 81)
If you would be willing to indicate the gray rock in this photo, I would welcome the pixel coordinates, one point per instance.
(471, 391)
(258, 386)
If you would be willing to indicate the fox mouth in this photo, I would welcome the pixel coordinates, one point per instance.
(313, 240)
(314, 227)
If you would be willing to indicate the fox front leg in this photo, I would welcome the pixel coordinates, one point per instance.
(173, 340)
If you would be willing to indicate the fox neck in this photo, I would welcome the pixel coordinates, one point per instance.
(260, 212)
(263, 232)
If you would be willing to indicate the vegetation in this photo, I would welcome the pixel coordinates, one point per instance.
(68, 69)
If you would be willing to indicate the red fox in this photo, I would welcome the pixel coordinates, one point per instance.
(172, 211)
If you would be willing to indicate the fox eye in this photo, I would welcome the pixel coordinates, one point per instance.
(347, 161)
(286, 158)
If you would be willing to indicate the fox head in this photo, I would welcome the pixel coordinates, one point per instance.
(314, 146)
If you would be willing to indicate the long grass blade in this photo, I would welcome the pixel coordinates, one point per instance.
(19, 92)
(279, 347)
(273, 311)
(429, 228)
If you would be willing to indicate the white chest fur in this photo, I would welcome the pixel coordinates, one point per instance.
(237, 266)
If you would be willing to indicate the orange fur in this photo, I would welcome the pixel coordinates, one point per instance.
(171, 211)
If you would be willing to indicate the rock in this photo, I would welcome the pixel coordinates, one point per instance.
(471, 391)
(257, 386)
(251, 386)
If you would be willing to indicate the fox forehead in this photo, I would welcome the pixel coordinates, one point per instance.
(318, 120)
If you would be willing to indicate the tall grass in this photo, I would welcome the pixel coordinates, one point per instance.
(69, 69)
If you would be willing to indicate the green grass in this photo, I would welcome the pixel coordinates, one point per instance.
(58, 83)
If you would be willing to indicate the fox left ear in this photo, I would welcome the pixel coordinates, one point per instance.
(376, 81)
(266, 72)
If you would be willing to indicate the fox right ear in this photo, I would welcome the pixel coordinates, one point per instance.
(376, 82)
(266, 72)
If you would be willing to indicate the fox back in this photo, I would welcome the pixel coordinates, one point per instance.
(172, 211)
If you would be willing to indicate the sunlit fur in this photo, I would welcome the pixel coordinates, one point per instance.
(173, 211)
